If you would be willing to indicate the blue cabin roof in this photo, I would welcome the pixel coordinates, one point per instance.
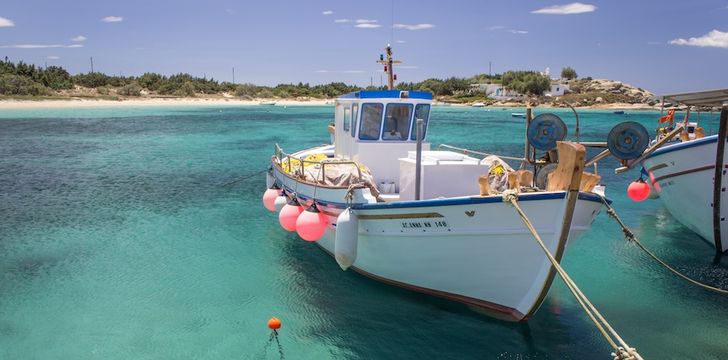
(387, 94)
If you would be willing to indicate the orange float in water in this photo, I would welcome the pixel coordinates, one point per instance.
(274, 323)
(311, 224)
(638, 190)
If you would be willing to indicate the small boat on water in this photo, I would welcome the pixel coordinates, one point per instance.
(519, 115)
(478, 104)
(270, 103)
(387, 204)
(618, 112)
(689, 170)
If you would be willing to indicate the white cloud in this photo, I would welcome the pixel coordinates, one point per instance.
(496, 27)
(342, 21)
(414, 27)
(6, 22)
(79, 38)
(365, 21)
(340, 71)
(53, 57)
(520, 32)
(367, 26)
(110, 19)
(327, 12)
(566, 9)
(37, 46)
(714, 38)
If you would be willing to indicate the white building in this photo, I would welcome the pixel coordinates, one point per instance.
(498, 92)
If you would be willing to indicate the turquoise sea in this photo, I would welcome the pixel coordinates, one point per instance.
(117, 241)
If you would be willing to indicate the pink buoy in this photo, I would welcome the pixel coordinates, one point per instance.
(638, 190)
(311, 224)
(269, 198)
(289, 214)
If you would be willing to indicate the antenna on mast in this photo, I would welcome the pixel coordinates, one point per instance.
(389, 66)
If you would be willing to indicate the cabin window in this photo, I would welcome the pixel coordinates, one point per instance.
(347, 119)
(354, 116)
(422, 111)
(371, 121)
(397, 122)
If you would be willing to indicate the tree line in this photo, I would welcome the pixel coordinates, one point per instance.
(28, 79)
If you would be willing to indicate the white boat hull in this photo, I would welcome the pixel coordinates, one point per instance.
(475, 250)
(682, 174)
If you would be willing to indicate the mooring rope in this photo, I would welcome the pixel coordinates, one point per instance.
(621, 351)
(246, 177)
(632, 237)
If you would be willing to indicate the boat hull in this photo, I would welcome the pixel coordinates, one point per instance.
(472, 250)
(682, 174)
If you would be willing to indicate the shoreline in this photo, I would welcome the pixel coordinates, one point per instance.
(40, 103)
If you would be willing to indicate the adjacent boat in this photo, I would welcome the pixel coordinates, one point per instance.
(387, 205)
(519, 115)
(683, 171)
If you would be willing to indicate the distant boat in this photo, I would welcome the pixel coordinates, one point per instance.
(267, 103)
(519, 115)
(619, 112)
(478, 104)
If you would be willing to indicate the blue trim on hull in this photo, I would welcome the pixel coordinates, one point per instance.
(471, 201)
(387, 94)
(684, 145)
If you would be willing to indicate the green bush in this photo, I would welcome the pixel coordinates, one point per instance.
(568, 73)
(19, 85)
(526, 82)
(132, 89)
(187, 89)
(246, 90)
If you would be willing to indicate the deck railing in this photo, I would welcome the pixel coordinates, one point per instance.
(289, 159)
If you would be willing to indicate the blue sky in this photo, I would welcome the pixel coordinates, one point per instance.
(662, 46)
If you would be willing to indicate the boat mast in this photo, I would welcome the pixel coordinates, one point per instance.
(388, 66)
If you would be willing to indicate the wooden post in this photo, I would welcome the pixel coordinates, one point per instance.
(718, 178)
(567, 175)
(527, 148)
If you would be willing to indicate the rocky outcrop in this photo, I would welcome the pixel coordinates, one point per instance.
(587, 92)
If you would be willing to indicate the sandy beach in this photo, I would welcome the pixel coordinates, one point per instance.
(94, 103)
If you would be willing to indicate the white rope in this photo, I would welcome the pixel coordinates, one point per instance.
(621, 351)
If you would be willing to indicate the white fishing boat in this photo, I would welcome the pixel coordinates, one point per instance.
(683, 170)
(267, 102)
(478, 104)
(386, 204)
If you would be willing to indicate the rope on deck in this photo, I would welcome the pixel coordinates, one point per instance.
(622, 351)
(632, 237)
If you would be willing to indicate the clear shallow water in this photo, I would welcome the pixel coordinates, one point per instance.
(117, 241)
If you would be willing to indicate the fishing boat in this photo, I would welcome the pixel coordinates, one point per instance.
(478, 104)
(269, 103)
(519, 115)
(386, 203)
(618, 112)
(682, 170)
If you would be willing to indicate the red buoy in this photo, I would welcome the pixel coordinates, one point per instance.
(638, 190)
(311, 224)
(269, 198)
(289, 214)
(274, 323)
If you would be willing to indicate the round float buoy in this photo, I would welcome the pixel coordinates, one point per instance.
(311, 224)
(280, 201)
(638, 190)
(289, 214)
(274, 323)
(269, 198)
